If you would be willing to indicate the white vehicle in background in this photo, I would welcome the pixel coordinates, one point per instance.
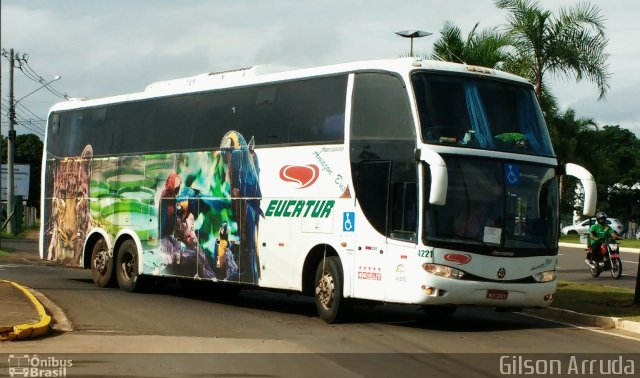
(583, 226)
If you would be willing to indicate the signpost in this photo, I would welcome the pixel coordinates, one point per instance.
(21, 174)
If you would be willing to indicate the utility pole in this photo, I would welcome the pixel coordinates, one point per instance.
(11, 227)
(10, 147)
(1, 149)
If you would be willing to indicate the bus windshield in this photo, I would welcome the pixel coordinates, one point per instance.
(469, 111)
(516, 209)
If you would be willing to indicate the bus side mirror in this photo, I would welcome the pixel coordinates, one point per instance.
(589, 185)
(439, 177)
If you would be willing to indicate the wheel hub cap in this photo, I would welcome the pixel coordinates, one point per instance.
(325, 290)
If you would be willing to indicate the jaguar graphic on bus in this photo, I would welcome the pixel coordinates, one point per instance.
(400, 181)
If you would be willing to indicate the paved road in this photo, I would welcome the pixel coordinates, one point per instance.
(172, 311)
(385, 341)
(572, 268)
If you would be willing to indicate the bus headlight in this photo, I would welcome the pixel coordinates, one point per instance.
(547, 276)
(443, 270)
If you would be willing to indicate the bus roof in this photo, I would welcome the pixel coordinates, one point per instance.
(263, 74)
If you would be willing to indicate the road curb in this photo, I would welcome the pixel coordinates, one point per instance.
(584, 320)
(28, 330)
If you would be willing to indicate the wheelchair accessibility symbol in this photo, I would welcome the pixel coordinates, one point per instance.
(512, 174)
(348, 221)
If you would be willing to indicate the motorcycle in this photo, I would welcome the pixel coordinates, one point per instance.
(610, 260)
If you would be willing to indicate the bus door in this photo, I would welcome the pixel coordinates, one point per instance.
(372, 192)
(386, 233)
(401, 240)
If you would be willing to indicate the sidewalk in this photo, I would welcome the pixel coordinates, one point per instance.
(23, 316)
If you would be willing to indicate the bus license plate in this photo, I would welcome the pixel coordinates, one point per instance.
(497, 294)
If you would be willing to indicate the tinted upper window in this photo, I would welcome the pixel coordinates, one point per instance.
(381, 108)
(293, 112)
(382, 149)
(468, 111)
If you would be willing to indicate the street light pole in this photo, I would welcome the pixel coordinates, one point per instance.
(12, 137)
(411, 34)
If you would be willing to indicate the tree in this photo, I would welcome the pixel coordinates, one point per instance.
(565, 130)
(28, 150)
(612, 156)
(571, 44)
(487, 48)
(567, 133)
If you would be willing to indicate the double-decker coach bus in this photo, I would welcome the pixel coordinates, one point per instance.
(401, 181)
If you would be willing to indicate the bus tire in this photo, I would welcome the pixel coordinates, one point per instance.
(127, 267)
(331, 305)
(101, 265)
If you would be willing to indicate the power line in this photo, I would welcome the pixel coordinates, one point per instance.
(32, 130)
(33, 75)
(25, 109)
(30, 112)
(29, 125)
(21, 117)
(22, 63)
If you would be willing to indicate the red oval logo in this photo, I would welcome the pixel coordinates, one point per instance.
(457, 258)
(304, 175)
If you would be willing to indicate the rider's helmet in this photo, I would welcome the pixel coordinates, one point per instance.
(601, 216)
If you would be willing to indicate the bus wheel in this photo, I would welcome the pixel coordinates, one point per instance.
(331, 305)
(127, 266)
(439, 312)
(101, 265)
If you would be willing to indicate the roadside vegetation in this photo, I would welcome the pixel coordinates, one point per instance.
(597, 300)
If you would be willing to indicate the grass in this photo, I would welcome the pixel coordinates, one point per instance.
(4, 251)
(22, 234)
(596, 300)
(623, 243)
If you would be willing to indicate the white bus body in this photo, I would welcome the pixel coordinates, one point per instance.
(357, 180)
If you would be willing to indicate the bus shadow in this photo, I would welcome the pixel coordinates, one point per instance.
(465, 319)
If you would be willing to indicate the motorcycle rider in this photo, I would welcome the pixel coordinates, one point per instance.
(598, 233)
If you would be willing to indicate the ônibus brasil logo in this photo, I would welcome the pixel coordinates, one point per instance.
(25, 365)
(304, 175)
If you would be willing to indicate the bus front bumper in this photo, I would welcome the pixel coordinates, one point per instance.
(448, 291)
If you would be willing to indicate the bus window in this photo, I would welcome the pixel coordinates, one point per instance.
(372, 186)
(296, 112)
(134, 126)
(69, 138)
(468, 111)
(404, 210)
(382, 132)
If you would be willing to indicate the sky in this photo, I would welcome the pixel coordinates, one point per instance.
(103, 48)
